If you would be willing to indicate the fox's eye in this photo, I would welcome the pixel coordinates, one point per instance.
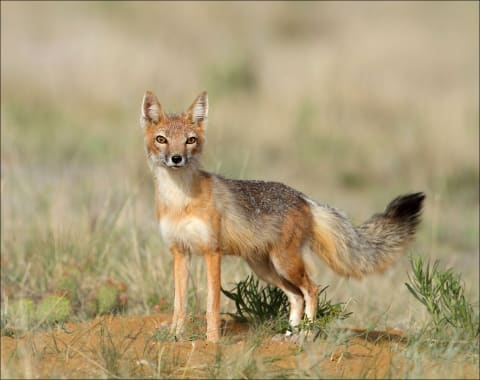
(191, 140)
(161, 139)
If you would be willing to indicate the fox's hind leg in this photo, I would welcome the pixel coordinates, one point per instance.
(265, 270)
(287, 256)
(291, 268)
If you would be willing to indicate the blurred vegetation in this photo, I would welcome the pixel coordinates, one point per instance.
(349, 103)
(230, 78)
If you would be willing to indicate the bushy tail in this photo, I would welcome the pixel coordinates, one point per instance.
(371, 247)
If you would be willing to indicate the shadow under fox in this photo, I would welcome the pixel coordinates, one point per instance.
(268, 224)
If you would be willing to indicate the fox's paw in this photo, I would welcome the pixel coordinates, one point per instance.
(297, 337)
(278, 338)
(174, 330)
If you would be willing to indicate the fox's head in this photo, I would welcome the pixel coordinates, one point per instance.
(173, 140)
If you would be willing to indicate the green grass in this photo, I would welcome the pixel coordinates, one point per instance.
(269, 305)
(442, 292)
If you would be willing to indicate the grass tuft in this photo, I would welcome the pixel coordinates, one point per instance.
(442, 292)
(260, 305)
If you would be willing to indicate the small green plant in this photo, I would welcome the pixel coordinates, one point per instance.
(107, 298)
(255, 304)
(442, 293)
(268, 304)
(53, 309)
(21, 313)
(69, 285)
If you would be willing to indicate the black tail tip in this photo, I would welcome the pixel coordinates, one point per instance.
(406, 207)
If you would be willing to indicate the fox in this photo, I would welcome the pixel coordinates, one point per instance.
(269, 224)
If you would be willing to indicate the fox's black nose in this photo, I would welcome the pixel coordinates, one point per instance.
(176, 159)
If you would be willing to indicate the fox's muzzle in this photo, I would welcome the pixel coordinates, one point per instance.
(176, 161)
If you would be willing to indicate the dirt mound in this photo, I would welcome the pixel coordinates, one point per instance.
(133, 346)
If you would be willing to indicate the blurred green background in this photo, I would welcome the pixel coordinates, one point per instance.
(352, 103)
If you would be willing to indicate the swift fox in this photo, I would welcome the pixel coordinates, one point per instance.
(268, 224)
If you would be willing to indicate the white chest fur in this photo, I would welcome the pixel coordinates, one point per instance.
(174, 192)
(191, 231)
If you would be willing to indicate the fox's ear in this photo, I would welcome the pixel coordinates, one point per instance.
(151, 109)
(198, 111)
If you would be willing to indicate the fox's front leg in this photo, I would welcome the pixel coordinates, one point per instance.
(213, 264)
(181, 262)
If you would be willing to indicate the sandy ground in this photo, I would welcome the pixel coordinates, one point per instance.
(112, 346)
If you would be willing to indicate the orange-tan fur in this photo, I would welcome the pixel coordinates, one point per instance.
(268, 224)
